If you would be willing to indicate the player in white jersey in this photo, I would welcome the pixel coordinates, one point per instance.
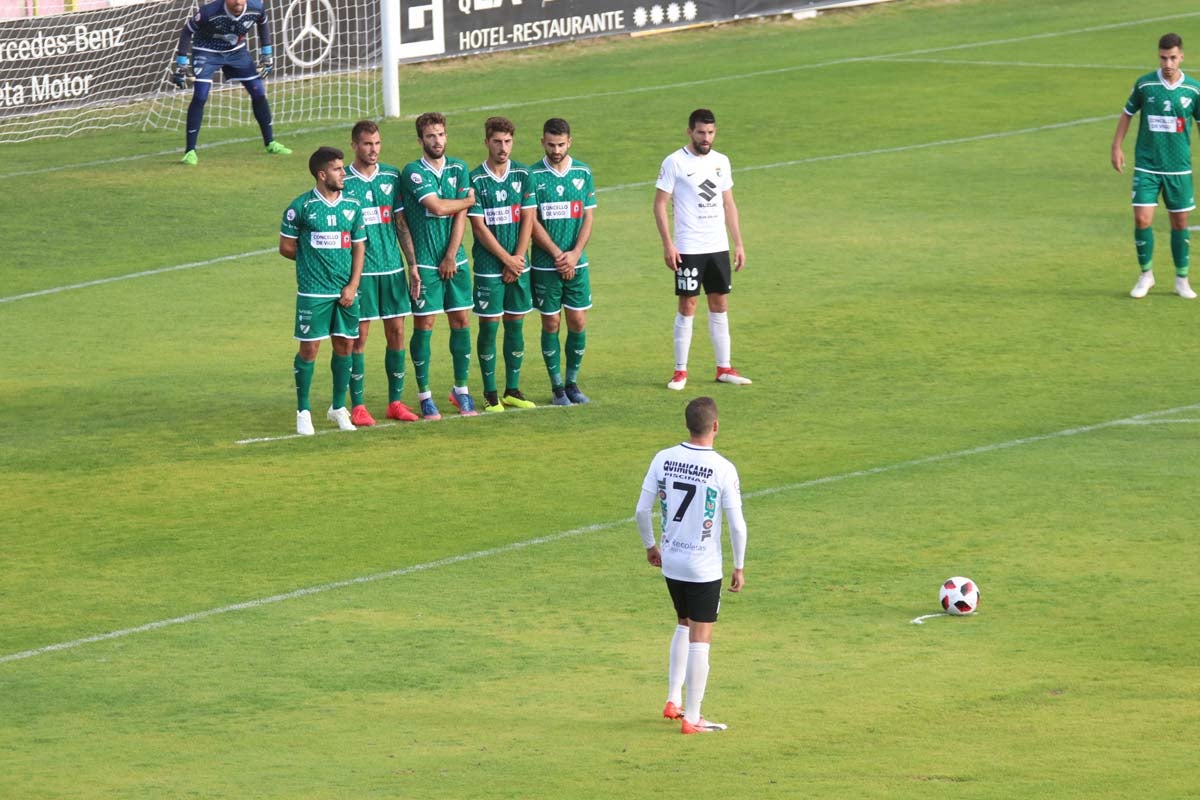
(697, 182)
(693, 485)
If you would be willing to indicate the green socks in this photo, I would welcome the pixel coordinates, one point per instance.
(576, 344)
(340, 366)
(418, 348)
(1143, 240)
(1181, 247)
(551, 354)
(460, 354)
(357, 368)
(393, 362)
(514, 352)
(485, 347)
(303, 370)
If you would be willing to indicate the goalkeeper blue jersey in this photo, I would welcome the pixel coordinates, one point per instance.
(213, 29)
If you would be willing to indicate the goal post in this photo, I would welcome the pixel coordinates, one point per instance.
(110, 67)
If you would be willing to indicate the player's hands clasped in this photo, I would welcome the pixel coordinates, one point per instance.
(179, 73)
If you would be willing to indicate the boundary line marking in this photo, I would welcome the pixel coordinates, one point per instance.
(143, 274)
(971, 63)
(555, 537)
(615, 188)
(663, 87)
(450, 418)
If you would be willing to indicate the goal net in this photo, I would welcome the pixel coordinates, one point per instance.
(90, 70)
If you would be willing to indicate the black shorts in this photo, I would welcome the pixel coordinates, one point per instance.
(699, 602)
(710, 270)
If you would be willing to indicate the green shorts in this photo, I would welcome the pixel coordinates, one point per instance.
(494, 297)
(384, 296)
(551, 293)
(321, 317)
(1176, 190)
(438, 294)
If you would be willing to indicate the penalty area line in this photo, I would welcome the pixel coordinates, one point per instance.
(555, 537)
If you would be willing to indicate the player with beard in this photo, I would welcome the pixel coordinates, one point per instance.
(566, 203)
(323, 232)
(436, 195)
(1167, 101)
(697, 182)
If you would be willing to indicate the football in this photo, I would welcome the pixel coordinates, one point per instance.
(959, 596)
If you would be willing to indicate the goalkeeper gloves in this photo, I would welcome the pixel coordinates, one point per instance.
(266, 64)
(179, 74)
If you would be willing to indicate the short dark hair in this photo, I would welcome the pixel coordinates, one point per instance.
(1170, 40)
(701, 116)
(361, 127)
(556, 126)
(498, 125)
(322, 157)
(427, 119)
(700, 414)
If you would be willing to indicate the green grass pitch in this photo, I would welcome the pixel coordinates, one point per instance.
(949, 379)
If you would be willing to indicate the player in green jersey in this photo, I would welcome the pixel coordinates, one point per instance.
(383, 292)
(566, 203)
(1168, 101)
(437, 194)
(502, 224)
(323, 232)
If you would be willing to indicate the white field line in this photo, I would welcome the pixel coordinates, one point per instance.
(142, 274)
(555, 537)
(1038, 65)
(662, 87)
(620, 187)
(921, 620)
(902, 148)
(448, 417)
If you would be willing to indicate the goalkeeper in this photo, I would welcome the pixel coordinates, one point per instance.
(216, 36)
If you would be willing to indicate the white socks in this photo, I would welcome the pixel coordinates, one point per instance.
(677, 665)
(718, 331)
(683, 340)
(697, 679)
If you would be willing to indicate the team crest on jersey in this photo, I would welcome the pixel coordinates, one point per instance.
(386, 188)
(348, 213)
(516, 186)
(1185, 102)
(453, 181)
(578, 183)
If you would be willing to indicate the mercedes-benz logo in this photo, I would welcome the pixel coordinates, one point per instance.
(309, 31)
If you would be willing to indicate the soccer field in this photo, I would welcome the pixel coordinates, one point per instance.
(950, 379)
